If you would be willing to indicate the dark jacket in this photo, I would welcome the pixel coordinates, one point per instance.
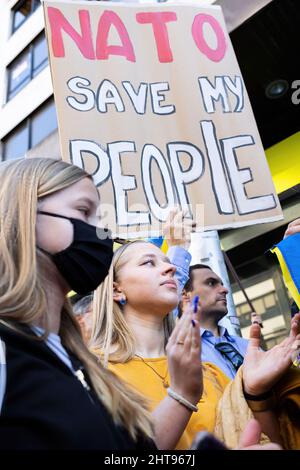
(46, 407)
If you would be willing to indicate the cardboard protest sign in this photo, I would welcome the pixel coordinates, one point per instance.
(151, 101)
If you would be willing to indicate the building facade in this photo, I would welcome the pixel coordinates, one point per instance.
(265, 35)
(27, 113)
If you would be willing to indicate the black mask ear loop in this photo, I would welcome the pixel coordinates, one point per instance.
(54, 215)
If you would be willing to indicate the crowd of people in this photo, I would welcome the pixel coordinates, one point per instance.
(124, 369)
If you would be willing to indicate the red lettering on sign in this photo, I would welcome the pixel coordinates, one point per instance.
(197, 30)
(158, 21)
(103, 50)
(59, 23)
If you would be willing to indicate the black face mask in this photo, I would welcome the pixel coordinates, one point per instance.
(85, 263)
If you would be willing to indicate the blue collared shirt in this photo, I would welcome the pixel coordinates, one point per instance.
(210, 354)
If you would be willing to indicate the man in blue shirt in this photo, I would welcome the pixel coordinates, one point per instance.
(218, 346)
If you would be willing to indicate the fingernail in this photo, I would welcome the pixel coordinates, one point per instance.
(195, 303)
(193, 323)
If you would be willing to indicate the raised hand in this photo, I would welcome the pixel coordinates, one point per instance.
(262, 369)
(293, 227)
(184, 356)
(177, 229)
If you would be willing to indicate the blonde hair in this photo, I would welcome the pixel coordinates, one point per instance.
(23, 183)
(111, 333)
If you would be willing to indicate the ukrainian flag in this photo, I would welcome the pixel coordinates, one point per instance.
(288, 254)
(160, 242)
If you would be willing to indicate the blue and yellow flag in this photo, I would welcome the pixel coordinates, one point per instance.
(160, 242)
(288, 254)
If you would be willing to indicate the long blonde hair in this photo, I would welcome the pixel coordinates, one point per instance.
(22, 296)
(111, 333)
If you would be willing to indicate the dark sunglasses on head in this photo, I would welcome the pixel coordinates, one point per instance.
(228, 351)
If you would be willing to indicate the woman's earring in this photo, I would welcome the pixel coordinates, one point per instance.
(122, 301)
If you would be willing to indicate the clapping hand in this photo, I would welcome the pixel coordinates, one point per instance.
(184, 355)
(262, 369)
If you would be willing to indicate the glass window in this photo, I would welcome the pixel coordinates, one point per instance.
(22, 11)
(27, 65)
(44, 122)
(244, 308)
(35, 4)
(259, 307)
(270, 300)
(17, 142)
(31, 132)
(40, 54)
(18, 74)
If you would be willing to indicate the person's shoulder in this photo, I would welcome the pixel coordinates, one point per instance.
(12, 332)
(4, 328)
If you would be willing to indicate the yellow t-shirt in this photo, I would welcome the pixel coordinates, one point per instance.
(142, 378)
